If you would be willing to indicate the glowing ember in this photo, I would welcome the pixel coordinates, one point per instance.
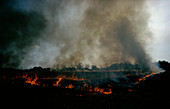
(70, 86)
(131, 90)
(98, 90)
(108, 92)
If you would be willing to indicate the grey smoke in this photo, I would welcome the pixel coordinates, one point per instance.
(68, 32)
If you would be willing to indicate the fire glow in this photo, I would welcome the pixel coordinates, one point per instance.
(144, 77)
(35, 80)
(32, 81)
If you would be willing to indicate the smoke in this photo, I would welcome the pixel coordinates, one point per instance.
(67, 32)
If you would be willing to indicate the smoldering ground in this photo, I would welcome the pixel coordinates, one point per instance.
(67, 32)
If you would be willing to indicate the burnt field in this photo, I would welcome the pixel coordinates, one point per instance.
(49, 89)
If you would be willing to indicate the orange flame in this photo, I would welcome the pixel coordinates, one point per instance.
(144, 78)
(98, 90)
(57, 82)
(108, 92)
(70, 86)
(32, 81)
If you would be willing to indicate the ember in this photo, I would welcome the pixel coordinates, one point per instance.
(70, 86)
(131, 90)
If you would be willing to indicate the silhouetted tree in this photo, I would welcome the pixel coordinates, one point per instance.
(87, 67)
(94, 67)
(79, 66)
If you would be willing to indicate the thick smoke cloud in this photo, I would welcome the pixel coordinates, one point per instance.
(17, 31)
(67, 32)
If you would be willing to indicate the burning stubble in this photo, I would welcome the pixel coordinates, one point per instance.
(94, 32)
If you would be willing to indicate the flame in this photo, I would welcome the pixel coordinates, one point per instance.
(70, 86)
(102, 90)
(97, 90)
(85, 87)
(57, 82)
(32, 81)
(144, 77)
(108, 92)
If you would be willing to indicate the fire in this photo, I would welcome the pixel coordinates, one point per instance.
(102, 90)
(57, 82)
(61, 77)
(85, 87)
(98, 90)
(32, 81)
(108, 92)
(70, 86)
(144, 77)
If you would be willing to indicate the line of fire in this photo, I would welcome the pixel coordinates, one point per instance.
(86, 80)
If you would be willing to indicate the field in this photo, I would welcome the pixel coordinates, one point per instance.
(152, 92)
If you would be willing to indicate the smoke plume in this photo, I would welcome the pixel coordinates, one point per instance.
(67, 32)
